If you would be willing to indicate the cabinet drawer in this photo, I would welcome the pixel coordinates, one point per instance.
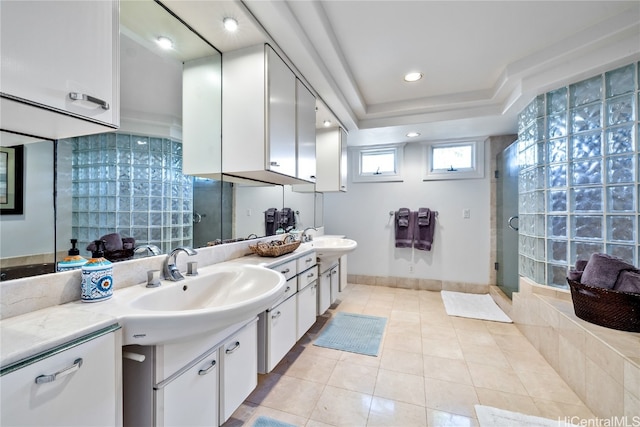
(82, 394)
(306, 261)
(306, 277)
(288, 269)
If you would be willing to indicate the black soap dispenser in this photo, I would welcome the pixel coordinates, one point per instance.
(73, 261)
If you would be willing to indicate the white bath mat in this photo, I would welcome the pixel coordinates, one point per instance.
(494, 417)
(474, 306)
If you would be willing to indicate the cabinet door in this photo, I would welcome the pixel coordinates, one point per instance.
(83, 392)
(239, 369)
(192, 398)
(335, 283)
(281, 331)
(281, 116)
(307, 306)
(53, 49)
(305, 132)
(324, 292)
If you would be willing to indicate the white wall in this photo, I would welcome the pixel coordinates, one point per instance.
(32, 232)
(461, 248)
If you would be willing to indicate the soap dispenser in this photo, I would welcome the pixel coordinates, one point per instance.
(97, 276)
(73, 261)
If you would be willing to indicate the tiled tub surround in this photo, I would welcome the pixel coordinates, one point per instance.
(601, 365)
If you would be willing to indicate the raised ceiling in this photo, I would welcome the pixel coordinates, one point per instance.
(482, 61)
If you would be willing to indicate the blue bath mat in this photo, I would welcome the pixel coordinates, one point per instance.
(356, 333)
(270, 422)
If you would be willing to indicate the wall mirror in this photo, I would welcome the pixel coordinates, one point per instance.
(129, 181)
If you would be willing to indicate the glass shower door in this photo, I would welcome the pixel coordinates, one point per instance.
(507, 219)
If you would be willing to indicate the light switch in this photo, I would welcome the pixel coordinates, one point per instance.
(466, 213)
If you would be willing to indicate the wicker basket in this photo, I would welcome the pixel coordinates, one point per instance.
(606, 307)
(275, 248)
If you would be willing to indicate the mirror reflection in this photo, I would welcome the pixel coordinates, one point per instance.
(128, 185)
(27, 240)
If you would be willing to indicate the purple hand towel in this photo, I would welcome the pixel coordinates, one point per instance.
(404, 224)
(424, 230)
(113, 242)
(628, 281)
(575, 274)
(602, 270)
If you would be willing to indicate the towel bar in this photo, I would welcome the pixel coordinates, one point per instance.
(391, 213)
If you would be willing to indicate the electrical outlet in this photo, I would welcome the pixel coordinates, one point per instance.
(466, 213)
(249, 212)
(411, 269)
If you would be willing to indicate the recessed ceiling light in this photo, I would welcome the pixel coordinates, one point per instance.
(413, 134)
(164, 42)
(327, 123)
(230, 24)
(412, 77)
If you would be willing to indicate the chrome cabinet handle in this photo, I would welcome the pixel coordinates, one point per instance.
(43, 379)
(288, 289)
(275, 316)
(209, 369)
(285, 271)
(308, 260)
(509, 222)
(310, 275)
(334, 272)
(234, 348)
(76, 96)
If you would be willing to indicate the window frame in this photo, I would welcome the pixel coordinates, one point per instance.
(356, 162)
(474, 172)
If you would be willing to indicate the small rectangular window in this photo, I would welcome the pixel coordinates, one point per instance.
(454, 160)
(372, 164)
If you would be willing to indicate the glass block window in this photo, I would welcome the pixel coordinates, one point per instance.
(133, 185)
(579, 179)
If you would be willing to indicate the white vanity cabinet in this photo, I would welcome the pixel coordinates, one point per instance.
(259, 116)
(331, 158)
(305, 133)
(74, 385)
(239, 369)
(324, 292)
(277, 331)
(200, 381)
(59, 72)
(191, 399)
(306, 308)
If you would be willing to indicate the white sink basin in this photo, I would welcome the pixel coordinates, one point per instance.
(218, 297)
(329, 249)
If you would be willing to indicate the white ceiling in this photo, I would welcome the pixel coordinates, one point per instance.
(482, 61)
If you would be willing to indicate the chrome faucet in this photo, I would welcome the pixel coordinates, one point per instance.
(307, 237)
(146, 250)
(171, 270)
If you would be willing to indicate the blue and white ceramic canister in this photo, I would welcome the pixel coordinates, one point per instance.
(97, 277)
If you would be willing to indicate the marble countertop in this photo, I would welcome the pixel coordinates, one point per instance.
(32, 333)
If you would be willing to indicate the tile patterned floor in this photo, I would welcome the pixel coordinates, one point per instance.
(431, 371)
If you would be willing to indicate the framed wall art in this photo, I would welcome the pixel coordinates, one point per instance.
(11, 176)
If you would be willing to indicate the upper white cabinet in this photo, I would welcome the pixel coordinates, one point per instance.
(258, 116)
(305, 132)
(331, 158)
(59, 69)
